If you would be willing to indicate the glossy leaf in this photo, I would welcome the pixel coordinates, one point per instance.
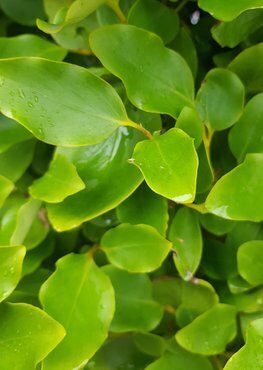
(108, 176)
(81, 298)
(135, 308)
(246, 66)
(155, 17)
(6, 186)
(27, 93)
(149, 343)
(145, 207)
(247, 134)
(157, 79)
(30, 46)
(190, 123)
(215, 225)
(185, 234)
(250, 261)
(225, 10)
(231, 33)
(224, 89)
(11, 260)
(205, 174)
(135, 248)
(27, 335)
(238, 195)
(169, 164)
(11, 133)
(251, 353)
(60, 181)
(24, 12)
(209, 333)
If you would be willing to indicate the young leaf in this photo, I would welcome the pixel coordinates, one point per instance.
(27, 335)
(108, 176)
(81, 298)
(227, 11)
(238, 195)
(60, 181)
(246, 66)
(190, 122)
(6, 186)
(251, 353)
(11, 260)
(247, 134)
(185, 234)
(223, 89)
(135, 248)
(169, 164)
(155, 17)
(157, 79)
(209, 333)
(250, 261)
(135, 308)
(145, 207)
(87, 113)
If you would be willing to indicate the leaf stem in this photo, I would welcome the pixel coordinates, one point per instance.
(93, 250)
(181, 5)
(216, 363)
(138, 127)
(117, 10)
(198, 207)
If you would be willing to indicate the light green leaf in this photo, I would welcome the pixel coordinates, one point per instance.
(155, 17)
(81, 298)
(11, 133)
(11, 260)
(145, 207)
(149, 343)
(209, 333)
(24, 12)
(30, 46)
(220, 89)
(252, 353)
(247, 134)
(232, 33)
(215, 225)
(169, 164)
(27, 335)
(250, 261)
(246, 66)
(6, 186)
(185, 234)
(190, 122)
(135, 248)
(27, 92)
(228, 10)
(60, 181)
(135, 308)
(238, 195)
(108, 176)
(157, 79)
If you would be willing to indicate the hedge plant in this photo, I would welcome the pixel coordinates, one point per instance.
(131, 185)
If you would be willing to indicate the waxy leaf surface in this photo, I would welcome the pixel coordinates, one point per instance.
(6, 186)
(250, 261)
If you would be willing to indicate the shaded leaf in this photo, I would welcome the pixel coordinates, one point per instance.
(250, 261)
(6, 186)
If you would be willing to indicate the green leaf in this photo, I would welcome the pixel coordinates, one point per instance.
(179, 359)
(27, 93)
(250, 261)
(246, 136)
(60, 181)
(190, 122)
(246, 66)
(135, 308)
(145, 207)
(223, 89)
(11, 133)
(238, 195)
(209, 333)
(226, 10)
(149, 343)
(169, 164)
(24, 12)
(232, 33)
(6, 187)
(205, 174)
(155, 17)
(135, 248)
(108, 176)
(251, 353)
(81, 298)
(27, 335)
(30, 46)
(185, 234)
(11, 260)
(215, 225)
(157, 79)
